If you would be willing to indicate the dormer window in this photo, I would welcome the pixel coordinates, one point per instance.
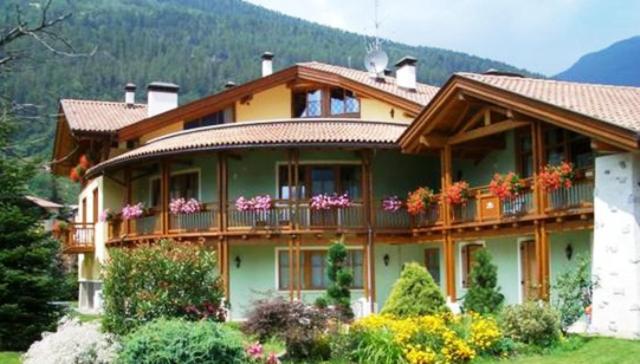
(219, 117)
(325, 102)
(307, 104)
(344, 103)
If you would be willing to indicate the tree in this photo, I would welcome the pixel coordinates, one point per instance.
(340, 279)
(414, 294)
(484, 294)
(573, 292)
(29, 275)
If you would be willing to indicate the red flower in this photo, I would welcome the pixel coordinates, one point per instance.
(73, 175)
(555, 177)
(419, 200)
(506, 187)
(458, 193)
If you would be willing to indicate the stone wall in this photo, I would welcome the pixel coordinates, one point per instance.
(616, 247)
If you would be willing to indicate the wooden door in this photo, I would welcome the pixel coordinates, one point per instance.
(529, 279)
(94, 202)
(432, 262)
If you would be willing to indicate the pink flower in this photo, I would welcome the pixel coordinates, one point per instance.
(272, 359)
(391, 204)
(131, 212)
(243, 204)
(257, 203)
(326, 202)
(175, 206)
(105, 215)
(255, 351)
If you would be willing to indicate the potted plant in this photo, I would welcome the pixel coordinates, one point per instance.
(458, 193)
(60, 228)
(107, 216)
(133, 212)
(506, 187)
(181, 206)
(419, 201)
(259, 205)
(554, 177)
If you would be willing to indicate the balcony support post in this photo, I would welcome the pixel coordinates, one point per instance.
(297, 189)
(291, 268)
(448, 242)
(164, 197)
(542, 260)
(222, 184)
(538, 164)
(290, 156)
(298, 268)
(128, 197)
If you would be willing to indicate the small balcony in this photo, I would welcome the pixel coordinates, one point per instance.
(577, 197)
(402, 220)
(78, 238)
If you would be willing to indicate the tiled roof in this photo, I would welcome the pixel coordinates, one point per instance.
(101, 116)
(267, 133)
(617, 105)
(43, 203)
(421, 95)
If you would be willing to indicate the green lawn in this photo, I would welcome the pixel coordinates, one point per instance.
(593, 351)
(9, 357)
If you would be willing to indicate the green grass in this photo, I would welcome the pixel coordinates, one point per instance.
(597, 350)
(10, 357)
(82, 317)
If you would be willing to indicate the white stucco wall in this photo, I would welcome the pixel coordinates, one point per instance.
(616, 246)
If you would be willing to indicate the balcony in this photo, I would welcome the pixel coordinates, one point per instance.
(78, 238)
(577, 197)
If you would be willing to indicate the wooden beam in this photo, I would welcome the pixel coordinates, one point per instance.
(433, 141)
(165, 174)
(603, 147)
(487, 131)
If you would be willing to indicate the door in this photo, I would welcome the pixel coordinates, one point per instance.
(432, 262)
(529, 276)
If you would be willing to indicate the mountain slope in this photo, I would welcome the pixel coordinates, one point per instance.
(615, 65)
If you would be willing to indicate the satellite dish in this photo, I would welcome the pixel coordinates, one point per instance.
(376, 61)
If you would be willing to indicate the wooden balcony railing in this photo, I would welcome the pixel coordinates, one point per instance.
(204, 220)
(352, 217)
(483, 206)
(79, 238)
(401, 219)
(279, 217)
(150, 224)
(579, 195)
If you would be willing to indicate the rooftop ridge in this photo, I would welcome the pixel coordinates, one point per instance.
(548, 80)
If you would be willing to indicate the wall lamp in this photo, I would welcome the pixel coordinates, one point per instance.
(238, 261)
(386, 259)
(568, 251)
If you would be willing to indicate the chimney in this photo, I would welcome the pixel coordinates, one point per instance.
(161, 97)
(267, 63)
(406, 73)
(130, 94)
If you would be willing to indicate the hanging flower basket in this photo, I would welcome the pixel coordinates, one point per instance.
(132, 212)
(258, 203)
(107, 215)
(506, 187)
(458, 193)
(420, 200)
(554, 177)
(325, 201)
(181, 206)
(391, 204)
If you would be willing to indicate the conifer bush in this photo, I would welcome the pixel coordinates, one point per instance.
(160, 280)
(414, 294)
(340, 278)
(483, 295)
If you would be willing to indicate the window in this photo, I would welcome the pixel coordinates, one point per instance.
(343, 102)
(564, 145)
(219, 117)
(524, 153)
(326, 102)
(184, 185)
(432, 261)
(468, 260)
(313, 265)
(307, 104)
(316, 179)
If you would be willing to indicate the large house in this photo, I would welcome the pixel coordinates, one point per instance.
(284, 164)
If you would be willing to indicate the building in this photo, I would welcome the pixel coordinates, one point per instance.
(314, 128)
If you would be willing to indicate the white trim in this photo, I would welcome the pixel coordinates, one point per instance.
(327, 162)
(460, 246)
(314, 247)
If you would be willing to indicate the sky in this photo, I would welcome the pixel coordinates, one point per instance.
(545, 36)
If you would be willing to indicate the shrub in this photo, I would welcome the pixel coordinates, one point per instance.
(161, 280)
(441, 338)
(531, 323)
(340, 279)
(299, 325)
(414, 293)
(74, 343)
(573, 292)
(180, 341)
(483, 295)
